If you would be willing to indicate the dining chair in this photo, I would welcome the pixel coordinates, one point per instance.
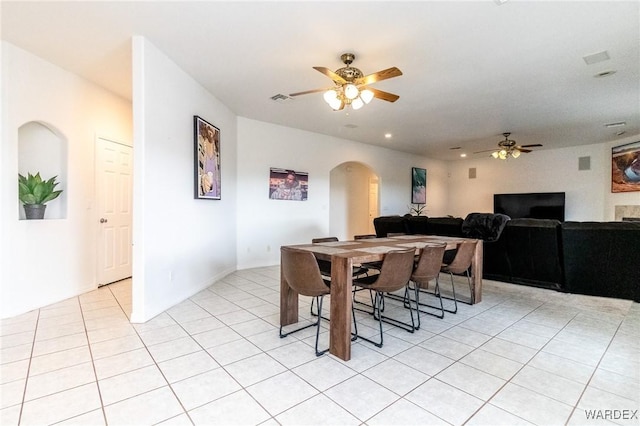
(395, 273)
(302, 274)
(460, 266)
(427, 269)
(375, 266)
(325, 266)
(364, 236)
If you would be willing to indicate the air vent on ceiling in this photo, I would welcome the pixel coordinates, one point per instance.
(281, 98)
(596, 57)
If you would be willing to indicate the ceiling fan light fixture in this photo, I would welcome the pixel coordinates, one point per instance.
(502, 154)
(366, 95)
(351, 91)
(357, 103)
(515, 153)
(330, 95)
(495, 154)
(336, 104)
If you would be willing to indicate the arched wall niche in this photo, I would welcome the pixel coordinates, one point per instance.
(353, 200)
(43, 148)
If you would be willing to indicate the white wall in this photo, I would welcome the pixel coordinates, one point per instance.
(264, 225)
(588, 192)
(45, 261)
(181, 244)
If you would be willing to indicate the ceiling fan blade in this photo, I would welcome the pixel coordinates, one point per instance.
(524, 150)
(306, 92)
(332, 75)
(378, 76)
(486, 150)
(528, 146)
(385, 96)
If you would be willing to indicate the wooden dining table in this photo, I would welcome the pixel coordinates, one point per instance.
(343, 255)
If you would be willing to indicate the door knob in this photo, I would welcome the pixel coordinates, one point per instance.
(103, 220)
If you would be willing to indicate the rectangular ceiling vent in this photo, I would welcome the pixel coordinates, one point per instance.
(280, 98)
(596, 57)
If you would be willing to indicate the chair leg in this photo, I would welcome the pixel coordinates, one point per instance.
(436, 293)
(313, 314)
(316, 324)
(455, 299)
(320, 299)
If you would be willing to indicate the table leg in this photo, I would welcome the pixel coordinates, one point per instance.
(340, 326)
(476, 274)
(288, 302)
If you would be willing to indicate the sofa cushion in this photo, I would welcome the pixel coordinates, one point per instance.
(387, 224)
(446, 226)
(484, 226)
(417, 225)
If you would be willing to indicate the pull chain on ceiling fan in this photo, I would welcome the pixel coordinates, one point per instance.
(351, 86)
(508, 148)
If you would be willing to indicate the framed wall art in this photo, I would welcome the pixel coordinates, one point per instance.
(418, 185)
(207, 159)
(625, 168)
(285, 184)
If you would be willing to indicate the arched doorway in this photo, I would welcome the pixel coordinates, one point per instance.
(353, 200)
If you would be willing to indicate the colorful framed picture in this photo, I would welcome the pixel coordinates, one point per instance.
(418, 185)
(625, 168)
(286, 184)
(207, 159)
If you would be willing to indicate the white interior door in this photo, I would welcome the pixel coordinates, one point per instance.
(373, 203)
(114, 185)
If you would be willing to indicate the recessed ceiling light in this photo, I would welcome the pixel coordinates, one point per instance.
(388, 135)
(351, 126)
(463, 155)
(604, 74)
(500, 2)
(616, 124)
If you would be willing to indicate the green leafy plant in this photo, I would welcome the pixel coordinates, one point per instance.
(34, 190)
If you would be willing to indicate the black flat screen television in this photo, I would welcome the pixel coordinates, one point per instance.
(541, 205)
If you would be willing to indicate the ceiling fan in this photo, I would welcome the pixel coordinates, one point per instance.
(508, 148)
(351, 86)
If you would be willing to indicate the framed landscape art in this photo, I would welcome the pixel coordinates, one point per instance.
(625, 168)
(207, 159)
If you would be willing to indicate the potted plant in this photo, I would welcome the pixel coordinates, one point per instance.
(35, 192)
(416, 209)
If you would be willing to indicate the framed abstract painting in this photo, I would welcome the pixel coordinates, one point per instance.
(418, 185)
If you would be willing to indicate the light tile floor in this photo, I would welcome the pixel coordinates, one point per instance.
(523, 356)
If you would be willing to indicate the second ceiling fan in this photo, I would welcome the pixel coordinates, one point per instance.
(351, 86)
(508, 148)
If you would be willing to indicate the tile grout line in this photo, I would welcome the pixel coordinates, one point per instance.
(26, 380)
(595, 370)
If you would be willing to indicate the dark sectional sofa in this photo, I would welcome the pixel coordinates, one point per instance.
(592, 258)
